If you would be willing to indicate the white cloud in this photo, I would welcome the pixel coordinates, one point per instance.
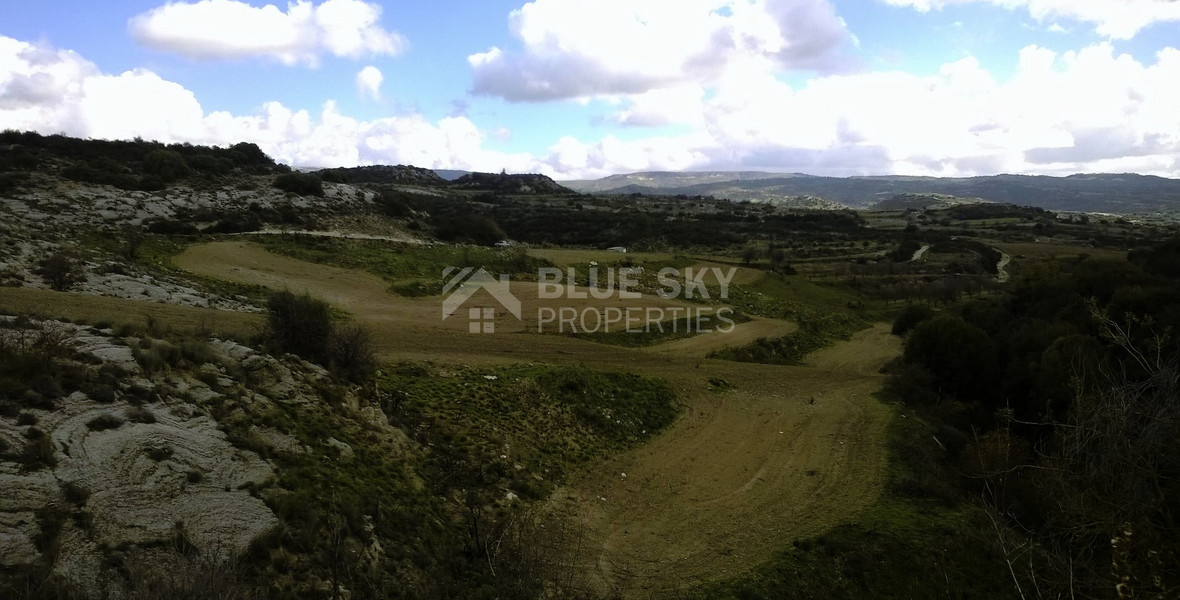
(1117, 20)
(1088, 110)
(368, 82)
(225, 29)
(1083, 111)
(583, 48)
(75, 98)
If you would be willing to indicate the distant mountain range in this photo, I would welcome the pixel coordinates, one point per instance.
(1109, 193)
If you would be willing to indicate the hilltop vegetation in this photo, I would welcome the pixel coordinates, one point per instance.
(1121, 193)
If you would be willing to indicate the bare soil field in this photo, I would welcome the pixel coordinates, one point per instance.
(779, 453)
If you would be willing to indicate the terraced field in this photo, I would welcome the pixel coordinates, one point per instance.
(761, 456)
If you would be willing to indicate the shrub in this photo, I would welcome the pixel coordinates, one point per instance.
(102, 392)
(474, 229)
(39, 452)
(104, 422)
(392, 204)
(167, 165)
(334, 175)
(139, 414)
(910, 317)
(350, 352)
(304, 184)
(60, 271)
(960, 356)
(75, 493)
(300, 325)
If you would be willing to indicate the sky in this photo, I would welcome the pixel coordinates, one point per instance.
(580, 89)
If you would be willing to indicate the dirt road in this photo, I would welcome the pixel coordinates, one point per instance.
(784, 453)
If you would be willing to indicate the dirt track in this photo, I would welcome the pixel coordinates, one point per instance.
(786, 453)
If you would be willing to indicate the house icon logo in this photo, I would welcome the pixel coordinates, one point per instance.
(463, 283)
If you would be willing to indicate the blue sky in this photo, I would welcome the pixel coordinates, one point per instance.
(586, 88)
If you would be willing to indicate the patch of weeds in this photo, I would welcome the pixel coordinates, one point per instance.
(104, 422)
(39, 452)
(139, 414)
(102, 392)
(816, 331)
(641, 334)
(197, 351)
(717, 384)
(75, 493)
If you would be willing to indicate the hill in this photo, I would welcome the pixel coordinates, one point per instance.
(1109, 193)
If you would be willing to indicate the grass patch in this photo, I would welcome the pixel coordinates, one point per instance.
(541, 419)
(665, 331)
(412, 270)
(907, 545)
(816, 331)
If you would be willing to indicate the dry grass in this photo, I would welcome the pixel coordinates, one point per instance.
(136, 314)
(714, 495)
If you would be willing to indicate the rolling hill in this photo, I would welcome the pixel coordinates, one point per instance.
(1108, 193)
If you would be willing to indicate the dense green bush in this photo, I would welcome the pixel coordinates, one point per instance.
(910, 317)
(471, 229)
(304, 184)
(303, 326)
(960, 356)
(299, 325)
(60, 271)
(168, 165)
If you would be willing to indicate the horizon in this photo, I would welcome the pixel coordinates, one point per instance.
(583, 89)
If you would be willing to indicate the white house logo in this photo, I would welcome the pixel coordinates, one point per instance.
(463, 283)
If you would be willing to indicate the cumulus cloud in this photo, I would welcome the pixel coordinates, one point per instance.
(1088, 110)
(73, 96)
(1080, 111)
(583, 48)
(1117, 20)
(368, 82)
(226, 29)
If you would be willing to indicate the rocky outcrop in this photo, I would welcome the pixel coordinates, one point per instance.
(144, 467)
(530, 183)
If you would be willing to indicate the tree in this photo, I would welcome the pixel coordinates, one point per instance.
(300, 325)
(304, 184)
(168, 165)
(749, 253)
(61, 272)
(350, 352)
(961, 356)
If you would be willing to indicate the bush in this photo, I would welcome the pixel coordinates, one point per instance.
(392, 204)
(473, 229)
(960, 356)
(300, 325)
(60, 271)
(139, 414)
(104, 422)
(167, 165)
(911, 317)
(304, 184)
(350, 353)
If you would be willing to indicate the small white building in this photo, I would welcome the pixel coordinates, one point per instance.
(619, 249)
